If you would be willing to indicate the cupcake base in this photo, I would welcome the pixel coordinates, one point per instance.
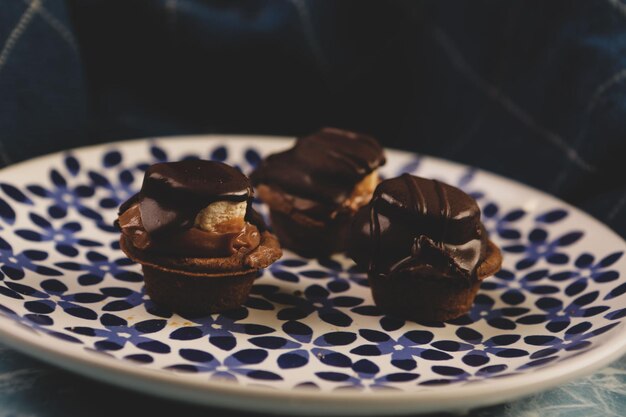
(201, 286)
(197, 294)
(420, 299)
(431, 298)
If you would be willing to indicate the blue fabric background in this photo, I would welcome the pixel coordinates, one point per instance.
(532, 90)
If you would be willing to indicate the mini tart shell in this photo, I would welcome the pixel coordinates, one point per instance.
(306, 236)
(311, 239)
(200, 286)
(425, 299)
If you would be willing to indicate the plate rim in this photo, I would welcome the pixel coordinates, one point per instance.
(256, 398)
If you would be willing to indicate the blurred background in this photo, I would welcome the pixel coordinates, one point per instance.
(531, 90)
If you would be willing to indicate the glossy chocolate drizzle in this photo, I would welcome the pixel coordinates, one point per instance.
(323, 167)
(160, 217)
(418, 226)
(173, 193)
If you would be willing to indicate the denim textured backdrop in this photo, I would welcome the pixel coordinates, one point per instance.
(535, 91)
(532, 90)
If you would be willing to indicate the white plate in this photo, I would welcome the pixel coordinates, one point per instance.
(310, 340)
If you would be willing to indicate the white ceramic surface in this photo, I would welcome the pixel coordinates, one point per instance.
(309, 340)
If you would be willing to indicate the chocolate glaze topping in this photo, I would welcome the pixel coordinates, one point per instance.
(323, 167)
(173, 193)
(160, 217)
(416, 225)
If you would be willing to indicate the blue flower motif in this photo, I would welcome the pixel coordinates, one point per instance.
(297, 344)
(478, 349)
(403, 350)
(280, 269)
(238, 363)
(466, 180)
(18, 291)
(342, 277)
(34, 322)
(7, 214)
(588, 269)
(368, 377)
(449, 374)
(158, 154)
(118, 191)
(124, 298)
(385, 356)
(13, 265)
(257, 299)
(388, 323)
(294, 356)
(576, 338)
(515, 288)
(410, 167)
(551, 216)
(15, 194)
(219, 153)
(500, 318)
(557, 317)
(220, 328)
(117, 333)
(64, 197)
(64, 237)
(502, 224)
(99, 266)
(56, 294)
(337, 278)
(316, 299)
(616, 292)
(71, 164)
(540, 247)
(253, 158)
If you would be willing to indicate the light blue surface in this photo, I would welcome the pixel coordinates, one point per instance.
(30, 388)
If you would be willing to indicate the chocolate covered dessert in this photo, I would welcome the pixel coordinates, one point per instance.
(424, 247)
(314, 189)
(194, 232)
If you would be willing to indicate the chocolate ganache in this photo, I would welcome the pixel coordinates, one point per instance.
(420, 227)
(323, 167)
(161, 216)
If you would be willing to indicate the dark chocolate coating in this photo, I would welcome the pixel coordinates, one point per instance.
(416, 225)
(173, 193)
(323, 167)
(195, 181)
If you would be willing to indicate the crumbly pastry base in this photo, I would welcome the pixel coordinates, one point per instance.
(195, 295)
(200, 286)
(419, 299)
(309, 237)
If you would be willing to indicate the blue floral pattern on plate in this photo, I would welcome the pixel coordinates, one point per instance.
(308, 323)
